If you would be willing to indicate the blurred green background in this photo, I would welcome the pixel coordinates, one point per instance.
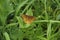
(45, 27)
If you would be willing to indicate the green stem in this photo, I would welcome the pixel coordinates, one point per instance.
(49, 31)
(46, 15)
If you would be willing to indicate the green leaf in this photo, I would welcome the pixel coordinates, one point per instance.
(6, 36)
(5, 8)
(29, 12)
(19, 6)
(20, 22)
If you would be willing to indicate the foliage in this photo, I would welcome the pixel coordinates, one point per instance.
(45, 27)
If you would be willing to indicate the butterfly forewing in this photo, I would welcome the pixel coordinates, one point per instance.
(28, 19)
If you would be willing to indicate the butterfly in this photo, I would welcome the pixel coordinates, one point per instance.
(28, 19)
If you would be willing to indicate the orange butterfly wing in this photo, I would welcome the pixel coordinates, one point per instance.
(28, 19)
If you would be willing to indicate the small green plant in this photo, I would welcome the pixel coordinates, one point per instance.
(45, 27)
